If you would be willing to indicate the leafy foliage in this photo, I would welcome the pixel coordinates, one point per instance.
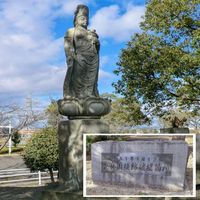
(53, 116)
(124, 114)
(180, 118)
(41, 151)
(161, 66)
(16, 138)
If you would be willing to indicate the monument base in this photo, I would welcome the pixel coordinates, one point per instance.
(70, 136)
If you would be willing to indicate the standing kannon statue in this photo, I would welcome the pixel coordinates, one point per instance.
(82, 51)
(81, 96)
(81, 102)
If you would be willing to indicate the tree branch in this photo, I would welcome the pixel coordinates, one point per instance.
(184, 97)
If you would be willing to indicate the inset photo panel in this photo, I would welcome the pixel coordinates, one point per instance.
(139, 165)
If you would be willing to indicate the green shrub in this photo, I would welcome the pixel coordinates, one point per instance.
(41, 151)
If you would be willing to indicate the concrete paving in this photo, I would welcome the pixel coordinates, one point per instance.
(13, 161)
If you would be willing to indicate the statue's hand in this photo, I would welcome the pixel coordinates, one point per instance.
(93, 31)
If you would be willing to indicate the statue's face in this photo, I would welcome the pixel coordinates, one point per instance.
(82, 21)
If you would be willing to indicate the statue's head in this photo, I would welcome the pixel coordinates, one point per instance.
(81, 16)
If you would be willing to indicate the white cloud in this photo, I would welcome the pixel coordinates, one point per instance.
(70, 6)
(110, 23)
(104, 74)
(32, 60)
(104, 64)
(104, 60)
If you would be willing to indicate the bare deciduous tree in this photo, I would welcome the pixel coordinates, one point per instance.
(21, 117)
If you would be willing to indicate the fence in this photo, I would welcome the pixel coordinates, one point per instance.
(19, 176)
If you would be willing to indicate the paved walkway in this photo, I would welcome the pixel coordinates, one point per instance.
(13, 161)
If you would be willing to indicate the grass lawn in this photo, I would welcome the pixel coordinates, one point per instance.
(14, 150)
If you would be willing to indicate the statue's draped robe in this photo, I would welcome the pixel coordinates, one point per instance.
(81, 78)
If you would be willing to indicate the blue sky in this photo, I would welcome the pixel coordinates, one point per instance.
(31, 39)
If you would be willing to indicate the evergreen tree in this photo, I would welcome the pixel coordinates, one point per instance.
(160, 67)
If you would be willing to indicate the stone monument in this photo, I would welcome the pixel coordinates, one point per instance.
(157, 164)
(81, 102)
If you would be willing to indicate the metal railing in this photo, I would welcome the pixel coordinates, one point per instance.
(14, 176)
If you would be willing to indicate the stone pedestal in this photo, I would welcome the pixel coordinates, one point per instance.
(70, 134)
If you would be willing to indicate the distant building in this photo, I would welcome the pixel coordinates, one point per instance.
(26, 134)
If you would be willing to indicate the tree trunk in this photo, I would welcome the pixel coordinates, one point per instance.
(51, 174)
